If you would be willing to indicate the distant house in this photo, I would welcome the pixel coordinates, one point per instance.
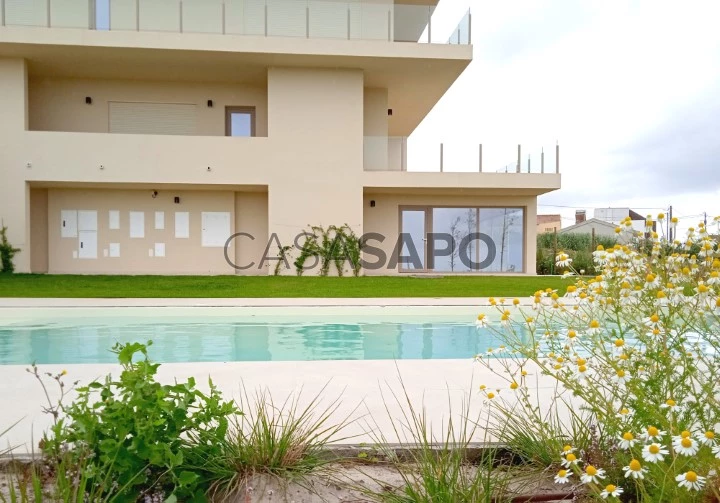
(600, 227)
(616, 215)
(548, 223)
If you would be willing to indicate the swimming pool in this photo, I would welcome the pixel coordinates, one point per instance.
(68, 336)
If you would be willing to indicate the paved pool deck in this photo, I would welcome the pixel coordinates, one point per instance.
(365, 387)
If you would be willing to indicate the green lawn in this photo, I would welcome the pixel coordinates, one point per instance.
(37, 285)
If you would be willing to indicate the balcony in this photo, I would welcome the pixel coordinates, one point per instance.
(312, 19)
(391, 153)
(457, 168)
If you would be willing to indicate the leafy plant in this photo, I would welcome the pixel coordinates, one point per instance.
(7, 252)
(283, 255)
(139, 432)
(286, 440)
(331, 245)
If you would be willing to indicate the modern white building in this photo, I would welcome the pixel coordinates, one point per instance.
(140, 136)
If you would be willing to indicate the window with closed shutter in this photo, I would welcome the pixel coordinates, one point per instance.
(152, 118)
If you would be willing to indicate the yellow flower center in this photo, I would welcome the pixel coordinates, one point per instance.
(572, 334)
(702, 289)
(482, 387)
(709, 435)
(591, 470)
(686, 442)
(670, 403)
(654, 318)
(619, 343)
(623, 356)
(491, 395)
(691, 476)
(481, 317)
(516, 301)
(513, 385)
(635, 465)
(653, 432)
(654, 449)
(582, 368)
(581, 361)
(560, 359)
(594, 324)
(660, 294)
(650, 278)
(523, 373)
(567, 448)
(610, 488)
(570, 457)
(624, 411)
(685, 434)
(621, 373)
(562, 473)
(628, 436)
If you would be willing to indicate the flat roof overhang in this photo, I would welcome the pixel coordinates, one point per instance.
(416, 75)
(496, 184)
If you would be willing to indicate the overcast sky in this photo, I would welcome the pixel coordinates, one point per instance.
(630, 90)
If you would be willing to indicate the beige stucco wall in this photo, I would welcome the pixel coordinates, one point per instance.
(318, 116)
(14, 193)
(384, 218)
(182, 255)
(251, 217)
(39, 259)
(58, 104)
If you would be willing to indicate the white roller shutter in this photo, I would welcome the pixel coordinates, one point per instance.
(152, 118)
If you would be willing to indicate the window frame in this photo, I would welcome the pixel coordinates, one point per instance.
(229, 110)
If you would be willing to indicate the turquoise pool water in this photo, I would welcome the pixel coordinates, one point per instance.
(88, 340)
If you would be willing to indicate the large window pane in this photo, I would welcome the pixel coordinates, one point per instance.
(412, 253)
(450, 227)
(504, 227)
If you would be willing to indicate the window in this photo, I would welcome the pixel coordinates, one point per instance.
(466, 239)
(239, 121)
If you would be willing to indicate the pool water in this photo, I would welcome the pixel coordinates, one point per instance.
(228, 339)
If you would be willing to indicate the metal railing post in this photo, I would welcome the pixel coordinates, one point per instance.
(266, 19)
(528, 163)
(517, 167)
(47, 12)
(223, 18)
(442, 160)
(403, 153)
(137, 15)
(480, 157)
(469, 27)
(542, 160)
(389, 25)
(348, 23)
(557, 158)
(307, 22)
(2, 12)
(180, 11)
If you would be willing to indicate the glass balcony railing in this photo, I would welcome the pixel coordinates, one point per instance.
(329, 19)
(396, 153)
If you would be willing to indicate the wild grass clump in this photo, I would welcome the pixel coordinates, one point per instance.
(437, 468)
(286, 440)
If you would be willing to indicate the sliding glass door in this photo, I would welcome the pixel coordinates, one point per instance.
(413, 249)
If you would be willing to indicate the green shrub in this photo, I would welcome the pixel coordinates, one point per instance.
(139, 432)
(7, 252)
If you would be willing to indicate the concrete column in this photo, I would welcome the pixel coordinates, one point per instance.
(317, 117)
(14, 193)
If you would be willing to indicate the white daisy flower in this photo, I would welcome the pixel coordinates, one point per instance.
(592, 475)
(625, 414)
(562, 259)
(670, 404)
(653, 453)
(594, 327)
(621, 376)
(706, 438)
(685, 444)
(652, 433)
(690, 481)
(716, 451)
(481, 321)
(635, 470)
(611, 490)
(627, 440)
(563, 477)
(570, 460)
